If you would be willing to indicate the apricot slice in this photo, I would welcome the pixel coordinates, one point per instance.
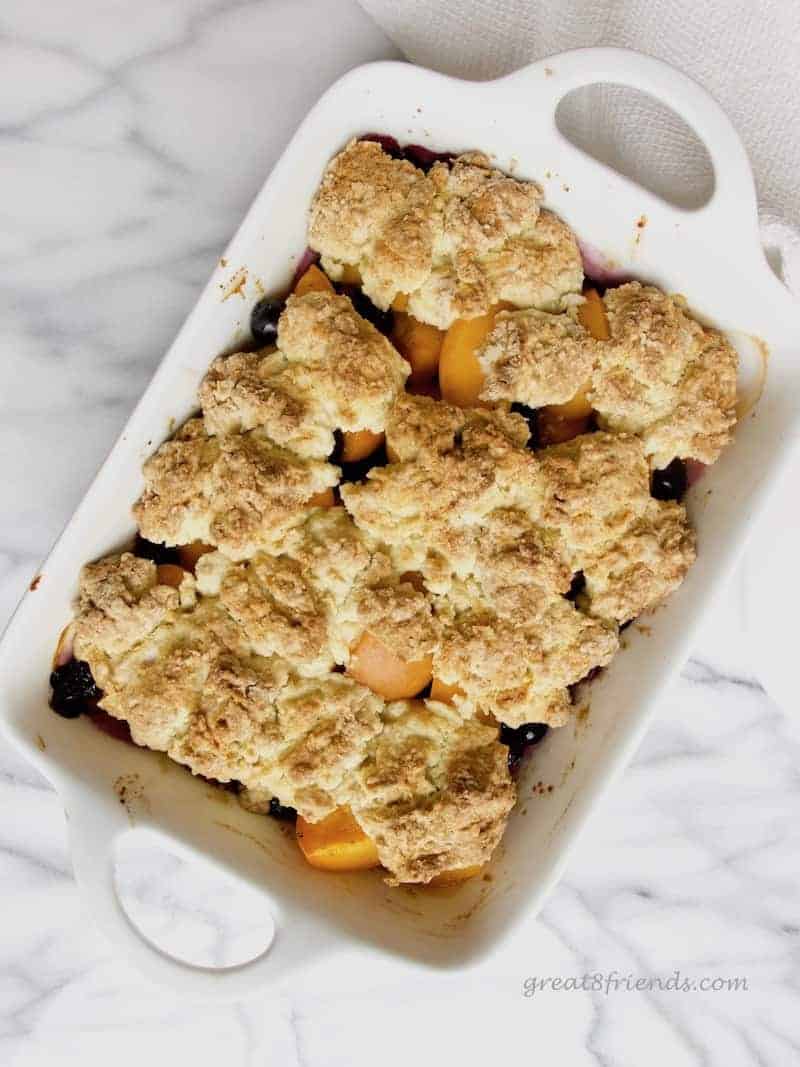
(188, 555)
(336, 843)
(443, 692)
(400, 302)
(592, 316)
(170, 574)
(562, 422)
(358, 444)
(419, 343)
(313, 281)
(379, 669)
(457, 876)
(460, 374)
(325, 499)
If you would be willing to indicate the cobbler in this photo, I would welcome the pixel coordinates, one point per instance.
(408, 521)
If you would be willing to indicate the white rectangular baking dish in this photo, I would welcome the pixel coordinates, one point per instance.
(712, 255)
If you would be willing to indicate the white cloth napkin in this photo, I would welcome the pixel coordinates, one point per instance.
(747, 54)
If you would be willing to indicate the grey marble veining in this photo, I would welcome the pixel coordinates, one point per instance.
(133, 139)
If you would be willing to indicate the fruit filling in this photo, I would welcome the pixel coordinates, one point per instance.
(408, 520)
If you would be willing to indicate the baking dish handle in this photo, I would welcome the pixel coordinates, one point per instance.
(95, 830)
(733, 201)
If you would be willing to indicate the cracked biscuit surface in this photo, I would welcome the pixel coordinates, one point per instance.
(516, 659)
(540, 269)
(311, 603)
(332, 371)
(378, 214)
(536, 358)
(594, 486)
(643, 567)
(664, 377)
(119, 603)
(428, 509)
(466, 506)
(239, 492)
(633, 550)
(456, 241)
(434, 791)
(192, 687)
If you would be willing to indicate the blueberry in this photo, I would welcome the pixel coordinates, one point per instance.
(264, 321)
(387, 143)
(155, 551)
(281, 811)
(424, 158)
(519, 740)
(669, 483)
(74, 689)
(381, 320)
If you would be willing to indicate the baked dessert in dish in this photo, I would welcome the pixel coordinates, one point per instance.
(408, 521)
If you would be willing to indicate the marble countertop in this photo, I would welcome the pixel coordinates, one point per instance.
(133, 139)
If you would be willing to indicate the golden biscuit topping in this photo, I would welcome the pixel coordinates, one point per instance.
(456, 241)
(332, 371)
(517, 658)
(633, 550)
(643, 567)
(192, 688)
(536, 358)
(240, 492)
(120, 602)
(276, 605)
(540, 269)
(594, 487)
(429, 511)
(311, 603)
(664, 377)
(246, 390)
(421, 424)
(395, 611)
(375, 213)
(434, 791)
